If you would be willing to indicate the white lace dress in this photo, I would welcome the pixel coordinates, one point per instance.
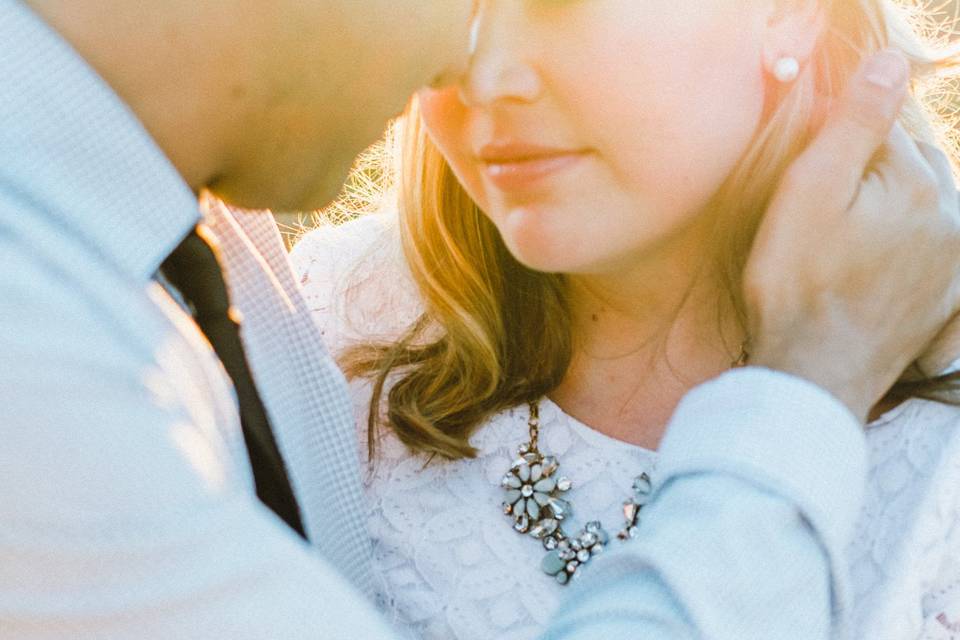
(451, 566)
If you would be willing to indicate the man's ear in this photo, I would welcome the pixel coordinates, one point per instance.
(793, 29)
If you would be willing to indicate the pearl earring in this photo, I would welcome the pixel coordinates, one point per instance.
(786, 69)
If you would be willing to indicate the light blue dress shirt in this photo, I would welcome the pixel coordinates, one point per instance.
(127, 508)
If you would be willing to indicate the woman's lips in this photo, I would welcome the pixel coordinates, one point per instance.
(521, 167)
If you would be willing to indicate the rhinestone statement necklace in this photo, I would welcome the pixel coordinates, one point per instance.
(533, 499)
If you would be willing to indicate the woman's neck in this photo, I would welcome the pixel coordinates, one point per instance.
(643, 337)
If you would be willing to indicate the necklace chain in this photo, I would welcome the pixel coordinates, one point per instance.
(534, 499)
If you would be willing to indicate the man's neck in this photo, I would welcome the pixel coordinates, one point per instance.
(155, 59)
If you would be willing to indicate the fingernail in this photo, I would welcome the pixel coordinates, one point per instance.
(887, 69)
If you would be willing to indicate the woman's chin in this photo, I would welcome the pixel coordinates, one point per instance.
(540, 254)
(541, 241)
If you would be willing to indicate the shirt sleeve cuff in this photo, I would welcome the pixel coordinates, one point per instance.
(780, 431)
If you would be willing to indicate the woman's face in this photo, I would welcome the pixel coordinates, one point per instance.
(593, 131)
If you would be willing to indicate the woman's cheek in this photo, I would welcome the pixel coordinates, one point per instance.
(444, 117)
(446, 120)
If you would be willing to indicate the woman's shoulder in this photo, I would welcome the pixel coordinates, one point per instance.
(903, 553)
(323, 255)
(934, 557)
(355, 280)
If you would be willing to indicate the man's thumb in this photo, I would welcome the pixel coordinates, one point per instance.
(860, 122)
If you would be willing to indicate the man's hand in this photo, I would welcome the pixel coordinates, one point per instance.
(854, 268)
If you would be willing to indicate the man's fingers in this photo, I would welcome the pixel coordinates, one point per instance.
(943, 351)
(943, 170)
(835, 161)
(905, 171)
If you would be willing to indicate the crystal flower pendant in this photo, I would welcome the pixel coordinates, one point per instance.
(533, 500)
(532, 493)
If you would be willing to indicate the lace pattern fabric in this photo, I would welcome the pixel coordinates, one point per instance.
(448, 562)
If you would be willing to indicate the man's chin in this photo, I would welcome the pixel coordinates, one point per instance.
(280, 195)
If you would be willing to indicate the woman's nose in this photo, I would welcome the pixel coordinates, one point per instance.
(500, 67)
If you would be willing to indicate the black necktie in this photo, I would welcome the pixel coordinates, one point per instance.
(193, 268)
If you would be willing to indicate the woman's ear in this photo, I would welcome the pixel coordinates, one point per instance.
(793, 29)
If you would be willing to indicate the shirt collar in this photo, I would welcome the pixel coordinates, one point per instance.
(75, 151)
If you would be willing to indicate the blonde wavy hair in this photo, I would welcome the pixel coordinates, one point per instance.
(496, 334)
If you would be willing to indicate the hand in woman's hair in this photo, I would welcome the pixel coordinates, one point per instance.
(854, 269)
(945, 348)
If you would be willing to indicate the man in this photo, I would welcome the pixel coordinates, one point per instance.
(136, 440)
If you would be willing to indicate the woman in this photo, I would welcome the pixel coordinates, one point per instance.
(574, 223)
